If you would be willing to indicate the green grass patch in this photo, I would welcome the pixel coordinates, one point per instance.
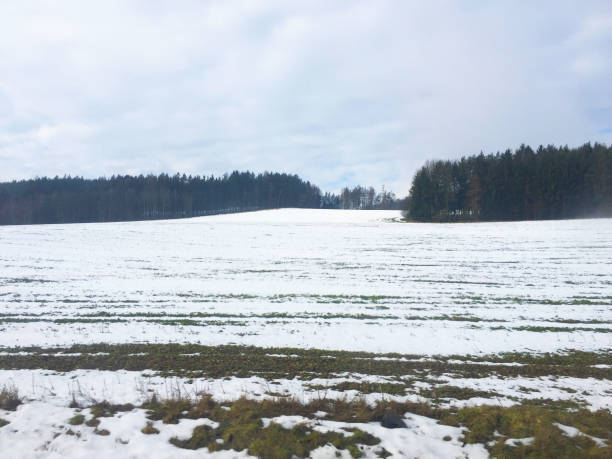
(105, 409)
(240, 426)
(93, 422)
(76, 420)
(149, 429)
(493, 425)
(191, 361)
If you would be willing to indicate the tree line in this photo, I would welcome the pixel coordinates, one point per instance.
(549, 183)
(362, 198)
(126, 197)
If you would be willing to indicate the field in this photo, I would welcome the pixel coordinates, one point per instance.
(263, 332)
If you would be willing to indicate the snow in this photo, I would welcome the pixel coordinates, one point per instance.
(34, 428)
(122, 386)
(305, 264)
(38, 430)
(422, 437)
(596, 393)
(519, 441)
(327, 279)
(572, 432)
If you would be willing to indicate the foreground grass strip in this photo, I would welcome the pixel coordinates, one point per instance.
(240, 426)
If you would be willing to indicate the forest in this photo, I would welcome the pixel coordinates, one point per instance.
(549, 183)
(127, 198)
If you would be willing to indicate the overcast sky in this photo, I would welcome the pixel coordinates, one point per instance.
(341, 93)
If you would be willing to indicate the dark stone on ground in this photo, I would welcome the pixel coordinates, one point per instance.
(392, 421)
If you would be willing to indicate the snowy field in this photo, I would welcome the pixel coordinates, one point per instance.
(458, 310)
(353, 280)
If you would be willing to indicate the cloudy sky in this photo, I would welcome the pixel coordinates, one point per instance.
(339, 92)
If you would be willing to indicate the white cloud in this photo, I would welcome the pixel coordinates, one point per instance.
(338, 92)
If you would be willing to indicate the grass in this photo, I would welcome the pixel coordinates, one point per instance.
(572, 301)
(363, 387)
(494, 425)
(274, 441)
(190, 318)
(239, 422)
(9, 398)
(24, 280)
(149, 429)
(240, 426)
(191, 360)
(76, 420)
(105, 409)
(454, 392)
(221, 319)
(93, 422)
(546, 329)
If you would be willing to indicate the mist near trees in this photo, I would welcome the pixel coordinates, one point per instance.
(549, 183)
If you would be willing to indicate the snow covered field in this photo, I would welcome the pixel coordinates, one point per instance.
(447, 297)
(352, 280)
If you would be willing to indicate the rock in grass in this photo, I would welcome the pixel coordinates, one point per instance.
(392, 421)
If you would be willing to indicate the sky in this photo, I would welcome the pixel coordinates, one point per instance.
(339, 92)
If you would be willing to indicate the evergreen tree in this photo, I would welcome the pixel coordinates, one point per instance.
(551, 182)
